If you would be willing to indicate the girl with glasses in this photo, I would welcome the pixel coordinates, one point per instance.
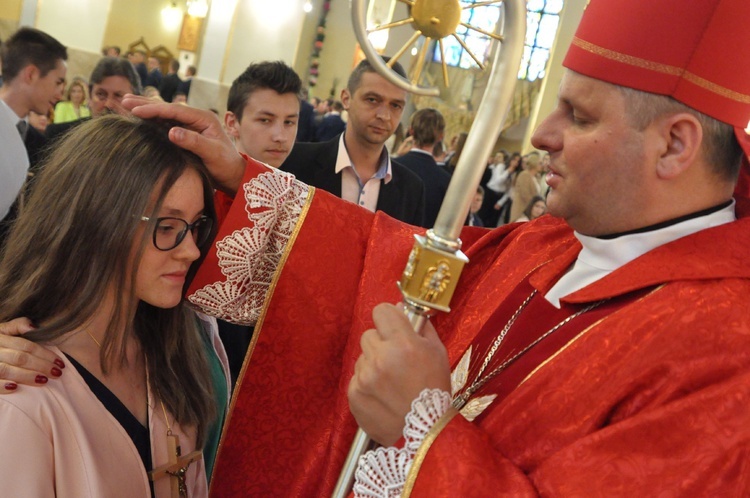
(98, 260)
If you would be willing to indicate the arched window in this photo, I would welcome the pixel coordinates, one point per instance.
(542, 19)
(483, 17)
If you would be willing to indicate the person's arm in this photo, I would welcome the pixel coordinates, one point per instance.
(691, 443)
(201, 134)
(395, 366)
(499, 178)
(22, 361)
(401, 373)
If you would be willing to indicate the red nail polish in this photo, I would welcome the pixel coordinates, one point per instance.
(56, 372)
(59, 363)
(40, 379)
(10, 386)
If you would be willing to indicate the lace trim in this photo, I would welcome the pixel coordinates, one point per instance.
(382, 472)
(249, 257)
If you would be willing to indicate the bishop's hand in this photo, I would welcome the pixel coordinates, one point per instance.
(396, 364)
(22, 361)
(201, 134)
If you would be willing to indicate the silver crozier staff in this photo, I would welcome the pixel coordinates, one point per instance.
(436, 261)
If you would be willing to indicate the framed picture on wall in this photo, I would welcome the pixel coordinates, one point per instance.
(190, 33)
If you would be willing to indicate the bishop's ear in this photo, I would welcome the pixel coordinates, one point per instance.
(682, 135)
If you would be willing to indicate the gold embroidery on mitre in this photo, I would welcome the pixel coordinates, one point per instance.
(662, 68)
(719, 90)
(627, 59)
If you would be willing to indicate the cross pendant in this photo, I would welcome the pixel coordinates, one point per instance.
(177, 467)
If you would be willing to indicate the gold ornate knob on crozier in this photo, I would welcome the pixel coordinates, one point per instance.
(436, 18)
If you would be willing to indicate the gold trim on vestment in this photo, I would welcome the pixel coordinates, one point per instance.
(275, 280)
(581, 334)
(424, 448)
(452, 412)
(261, 318)
(662, 68)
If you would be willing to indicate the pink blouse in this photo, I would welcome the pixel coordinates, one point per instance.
(59, 440)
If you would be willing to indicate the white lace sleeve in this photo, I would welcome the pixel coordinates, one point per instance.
(249, 257)
(382, 472)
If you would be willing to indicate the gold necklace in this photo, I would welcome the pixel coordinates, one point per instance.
(178, 465)
(460, 400)
(93, 338)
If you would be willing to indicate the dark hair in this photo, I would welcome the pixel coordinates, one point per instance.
(274, 75)
(438, 149)
(720, 147)
(531, 203)
(30, 46)
(459, 149)
(115, 66)
(191, 70)
(78, 237)
(115, 48)
(355, 79)
(174, 64)
(427, 126)
(515, 155)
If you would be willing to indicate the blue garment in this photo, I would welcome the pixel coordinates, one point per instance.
(331, 126)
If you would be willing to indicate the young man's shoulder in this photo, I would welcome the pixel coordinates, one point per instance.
(305, 153)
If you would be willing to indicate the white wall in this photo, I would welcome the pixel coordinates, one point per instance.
(215, 38)
(337, 57)
(75, 23)
(263, 30)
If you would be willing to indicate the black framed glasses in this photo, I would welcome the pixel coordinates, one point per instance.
(170, 232)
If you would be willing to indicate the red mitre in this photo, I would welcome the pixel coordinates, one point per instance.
(687, 50)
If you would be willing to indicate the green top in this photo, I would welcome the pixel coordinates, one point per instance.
(221, 396)
(64, 112)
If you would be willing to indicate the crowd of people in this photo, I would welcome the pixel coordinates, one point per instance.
(163, 261)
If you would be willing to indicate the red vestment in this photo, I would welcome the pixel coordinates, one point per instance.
(654, 395)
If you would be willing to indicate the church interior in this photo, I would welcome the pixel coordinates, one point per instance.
(315, 37)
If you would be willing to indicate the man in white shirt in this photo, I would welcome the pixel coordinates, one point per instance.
(33, 80)
(355, 165)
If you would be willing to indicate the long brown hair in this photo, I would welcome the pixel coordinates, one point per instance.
(74, 242)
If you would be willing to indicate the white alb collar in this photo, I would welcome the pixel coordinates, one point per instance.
(600, 257)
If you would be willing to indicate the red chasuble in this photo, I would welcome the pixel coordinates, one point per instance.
(649, 392)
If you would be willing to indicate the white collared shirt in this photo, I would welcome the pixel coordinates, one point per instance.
(600, 257)
(14, 160)
(352, 188)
